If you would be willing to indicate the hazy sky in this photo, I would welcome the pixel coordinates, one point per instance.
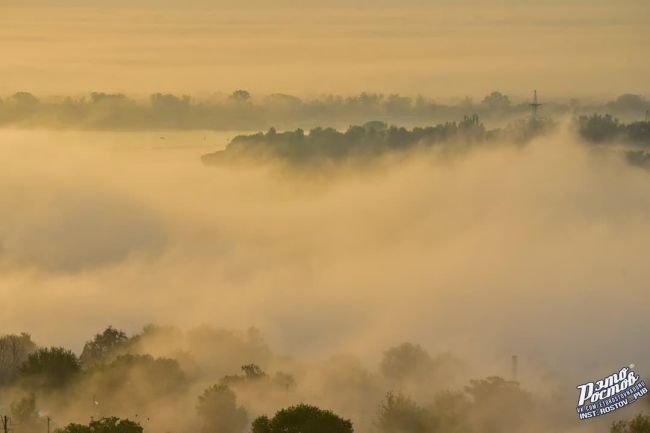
(439, 48)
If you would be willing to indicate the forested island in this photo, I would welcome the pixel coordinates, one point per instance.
(376, 138)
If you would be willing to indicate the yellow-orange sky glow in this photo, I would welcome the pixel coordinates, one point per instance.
(442, 49)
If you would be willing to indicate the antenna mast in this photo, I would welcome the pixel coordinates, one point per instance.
(535, 105)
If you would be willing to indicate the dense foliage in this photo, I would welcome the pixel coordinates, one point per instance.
(606, 129)
(370, 140)
(50, 368)
(375, 139)
(302, 418)
(14, 350)
(219, 411)
(103, 346)
(148, 376)
(104, 425)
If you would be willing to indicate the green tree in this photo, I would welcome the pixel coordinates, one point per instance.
(597, 128)
(638, 424)
(496, 101)
(104, 425)
(73, 428)
(14, 350)
(629, 103)
(261, 424)
(302, 418)
(405, 360)
(50, 368)
(25, 99)
(114, 425)
(219, 412)
(253, 371)
(103, 346)
(399, 414)
(130, 382)
(498, 405)
(240, 96)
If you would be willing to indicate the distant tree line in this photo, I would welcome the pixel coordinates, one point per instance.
(243, 111)
(607, 129)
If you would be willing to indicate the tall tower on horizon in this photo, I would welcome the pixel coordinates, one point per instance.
(535, 105)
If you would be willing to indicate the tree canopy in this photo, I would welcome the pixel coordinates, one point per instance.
(219, 412)
(51, 367)
(103, 346)
(405, 359)
(104, 425)
(302, 418)
(14, 350)
(398, 414)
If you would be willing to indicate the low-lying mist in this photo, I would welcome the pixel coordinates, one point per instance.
(535, 250)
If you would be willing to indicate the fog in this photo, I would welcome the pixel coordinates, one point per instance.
(223, 216)
(504, 250)
(536, 250)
